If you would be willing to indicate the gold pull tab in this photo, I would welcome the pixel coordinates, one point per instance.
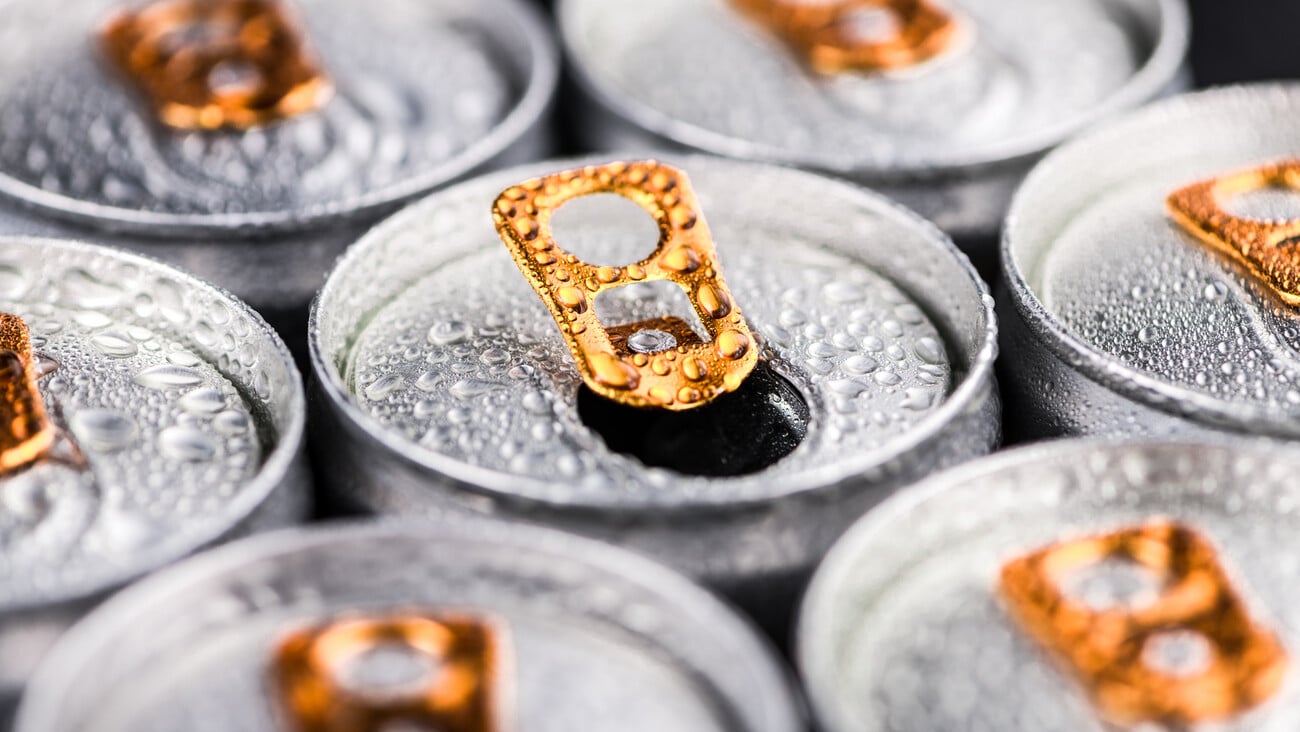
(858, 35)
(207, 64)
(444, 672)
(30, 435)
(1109, 649)
(690, 373)
(1269, 249)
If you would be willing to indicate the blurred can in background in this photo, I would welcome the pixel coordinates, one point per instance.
(463, 626)
(1132, 307)
(162, 128)
(447, 390)
(943, 107)
(162, 416)
(1093, 586)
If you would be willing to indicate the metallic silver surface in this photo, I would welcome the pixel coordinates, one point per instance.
(950, 138)
(1120, 323)
(428, 92)
(187, 408)
(447, 389)
(903, 629)
(602, 639)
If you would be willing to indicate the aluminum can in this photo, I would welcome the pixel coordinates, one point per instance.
(950, 136)
(423, 93)
(446, 390)
(1118, 319)
(946, 608)
(598, 638)
(178, 420)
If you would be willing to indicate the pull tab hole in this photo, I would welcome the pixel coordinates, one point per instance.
(605, 229)
(872, 25)
(388, 669)
(739, 433)
(1275, 202)
(1114, 583)
(646, 301)
(1178, 653)
(234, 77)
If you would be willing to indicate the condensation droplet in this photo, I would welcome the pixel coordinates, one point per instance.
(168, 377)
(186, 444)
(383, 386)
(203, 401)
(102, 430)
(470, 388)
(114, 345)
(448, 333)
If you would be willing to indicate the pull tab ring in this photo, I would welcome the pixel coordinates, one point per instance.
(688, 375)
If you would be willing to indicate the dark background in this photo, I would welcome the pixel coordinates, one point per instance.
(1245, 40)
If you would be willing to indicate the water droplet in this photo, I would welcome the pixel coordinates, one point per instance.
(13, 283)
(383, 386)
(203, 401)
(102, 430)
(536, 403)
(83, 289)
(425, 408)
(847, 387)
(650, 340)
(91, 320)
(114, 345)
(1214, 291)
(861, 365)
(127, 531)
(183, 358)
(887, 378)
(470, 388)
(494, 357)
(873, 344)
(186, 444)
(448, 333)
(909, 314)
(891, 328)
(929, 350)
(821, 349)
(231, 422)
(521, 371)
(917, 399)
(428, 381)
(1147, 334)
(843, 292)
(168, 377)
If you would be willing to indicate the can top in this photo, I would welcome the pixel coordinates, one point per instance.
(177, 412)
(946, 577)
(424, 92)
(600, 638)
(1109, 279)
(1019, 77)
(445, 356)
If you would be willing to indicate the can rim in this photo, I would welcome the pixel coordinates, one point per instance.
(819, 600)
(967, 395)
(777, 699)
(531, 107)
(274, 472)
(1160, 71)
(1081, 356)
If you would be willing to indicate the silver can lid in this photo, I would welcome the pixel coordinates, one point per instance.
(600, 638)
(179, 416)
(1107, 278)
(423, 92)
(910, 623)
(444, 353)
(1018, 77)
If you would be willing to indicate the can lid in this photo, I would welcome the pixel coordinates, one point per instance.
(1152, 256)
(1094, 584)
(83, 140)
(583, 635)
(1001, 80)
(173, 415)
